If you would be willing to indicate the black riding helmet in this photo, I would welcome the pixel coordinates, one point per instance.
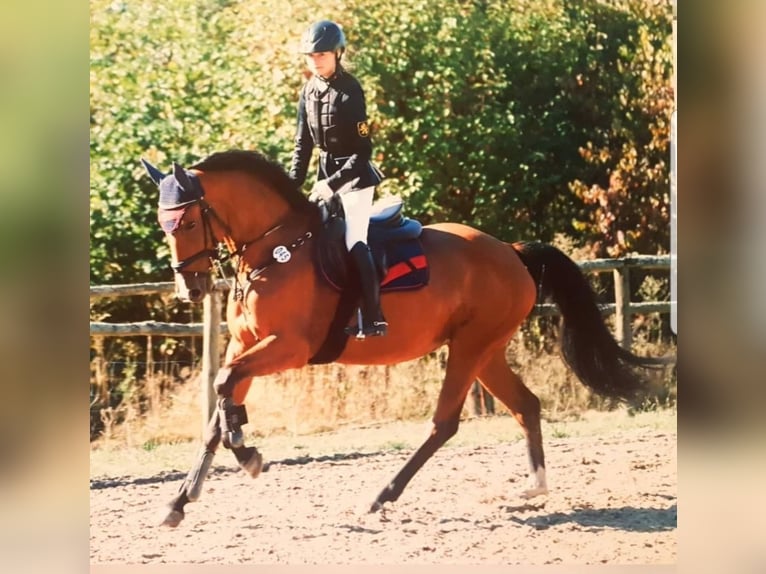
(323, 36)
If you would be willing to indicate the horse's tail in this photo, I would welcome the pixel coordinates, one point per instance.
(587, 346)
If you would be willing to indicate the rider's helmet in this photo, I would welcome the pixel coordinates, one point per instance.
(323, 36)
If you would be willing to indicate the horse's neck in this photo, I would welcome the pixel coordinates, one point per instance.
(286, 229)
(251, 217)
(272, 228)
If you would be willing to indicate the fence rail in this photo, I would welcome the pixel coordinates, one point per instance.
(622, 308)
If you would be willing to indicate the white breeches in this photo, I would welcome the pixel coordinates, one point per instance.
(357, 204)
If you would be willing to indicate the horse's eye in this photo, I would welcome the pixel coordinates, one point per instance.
(191, 225)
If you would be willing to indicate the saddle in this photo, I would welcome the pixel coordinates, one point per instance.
(393, 241)
(396, 250)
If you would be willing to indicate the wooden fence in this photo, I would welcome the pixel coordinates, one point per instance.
(212, 328)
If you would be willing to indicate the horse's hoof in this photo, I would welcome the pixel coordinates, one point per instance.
(173, 518)
(388, 494)
(380, 505)
(254, 464)
(532, 492)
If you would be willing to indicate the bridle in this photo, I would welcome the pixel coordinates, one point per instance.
(212, 254)
(217, 256)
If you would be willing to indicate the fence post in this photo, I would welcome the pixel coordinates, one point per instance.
(211, 318)
(483, 402)
(622, 318)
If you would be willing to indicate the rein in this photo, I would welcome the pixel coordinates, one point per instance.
(279, 254)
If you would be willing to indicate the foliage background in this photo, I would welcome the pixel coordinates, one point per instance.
(544, 119)
(525, 119)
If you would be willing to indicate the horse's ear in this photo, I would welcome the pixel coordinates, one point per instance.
(182, 177)
(156, 175)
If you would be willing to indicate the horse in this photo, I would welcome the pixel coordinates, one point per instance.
(240, 207)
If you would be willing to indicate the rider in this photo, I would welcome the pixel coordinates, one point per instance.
(332, 116)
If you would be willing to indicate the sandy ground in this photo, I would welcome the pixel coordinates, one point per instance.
(613, 501)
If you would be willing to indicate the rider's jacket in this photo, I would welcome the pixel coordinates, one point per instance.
(332, 116)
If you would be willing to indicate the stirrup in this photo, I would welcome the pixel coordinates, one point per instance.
(376, 329)
(364, 329)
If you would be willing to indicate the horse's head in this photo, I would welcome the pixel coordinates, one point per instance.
(246, 198)
(183, 216)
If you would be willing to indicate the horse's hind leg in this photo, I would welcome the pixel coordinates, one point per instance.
(442, 431)
(461, 372)
(192, 486)
(501, 381)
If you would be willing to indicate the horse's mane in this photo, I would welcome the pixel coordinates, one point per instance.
(259, 165)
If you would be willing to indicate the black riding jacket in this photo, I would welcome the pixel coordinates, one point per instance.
(332, 115)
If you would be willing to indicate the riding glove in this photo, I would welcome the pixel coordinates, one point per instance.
(321, 190)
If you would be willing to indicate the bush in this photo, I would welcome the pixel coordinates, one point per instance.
(525, 120)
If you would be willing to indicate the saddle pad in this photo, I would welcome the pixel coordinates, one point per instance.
(407, 266)
(407, 269)
(406, 262)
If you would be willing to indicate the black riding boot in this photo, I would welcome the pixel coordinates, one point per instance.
(373, 322)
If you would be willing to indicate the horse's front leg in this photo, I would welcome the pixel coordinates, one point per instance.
(227, 421)
(269, 355)
(232, 382)
(192, 485)
(231, 416)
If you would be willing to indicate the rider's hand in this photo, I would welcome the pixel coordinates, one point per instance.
(321, 190)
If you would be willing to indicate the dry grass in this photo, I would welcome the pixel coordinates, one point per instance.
(319, 399)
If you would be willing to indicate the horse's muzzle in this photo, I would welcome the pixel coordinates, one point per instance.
(193, 287)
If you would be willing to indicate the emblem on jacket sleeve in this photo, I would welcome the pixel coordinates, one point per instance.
(363, 128)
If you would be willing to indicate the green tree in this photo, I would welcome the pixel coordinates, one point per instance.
(627, 186)
(525, 119)
(169, 82)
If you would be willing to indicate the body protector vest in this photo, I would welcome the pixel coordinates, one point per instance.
(332, 116)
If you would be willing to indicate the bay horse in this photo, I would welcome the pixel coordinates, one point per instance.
(241, 206)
